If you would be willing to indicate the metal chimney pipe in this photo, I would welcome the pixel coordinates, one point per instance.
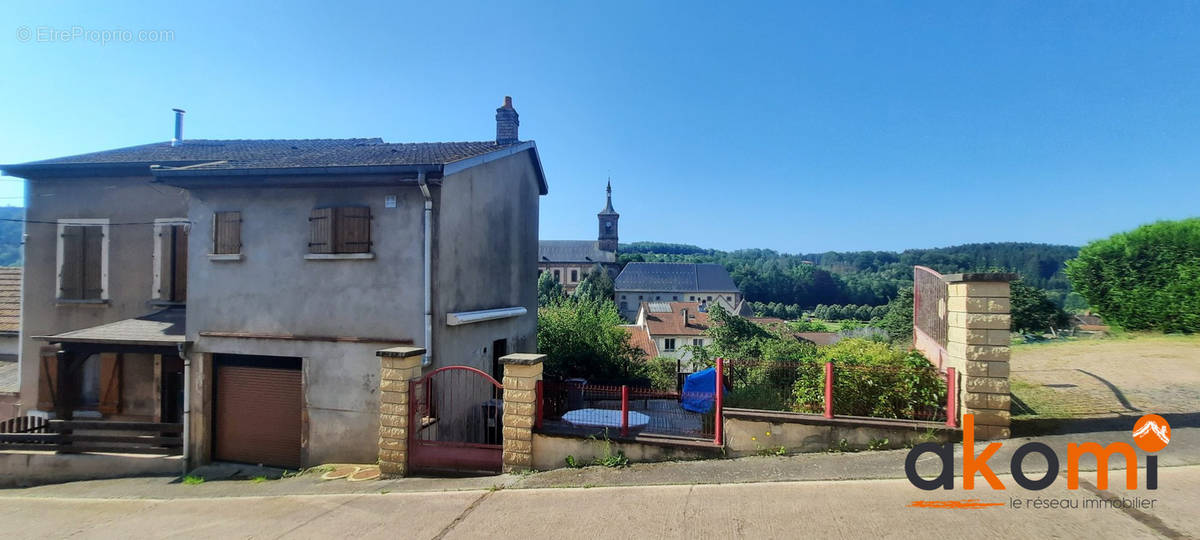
(178, 140)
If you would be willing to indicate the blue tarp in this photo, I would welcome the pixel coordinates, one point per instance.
(699, 390)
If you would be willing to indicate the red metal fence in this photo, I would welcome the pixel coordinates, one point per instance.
(626, 411)
(930, 314)
(906, 392)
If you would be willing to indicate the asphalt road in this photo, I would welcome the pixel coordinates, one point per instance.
(816, 509)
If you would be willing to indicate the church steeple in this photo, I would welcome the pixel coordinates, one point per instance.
(608, 224)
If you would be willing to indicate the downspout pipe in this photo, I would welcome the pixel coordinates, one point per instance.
(187, 404)
(427, 358)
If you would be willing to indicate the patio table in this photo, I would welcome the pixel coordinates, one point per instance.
(605, 418)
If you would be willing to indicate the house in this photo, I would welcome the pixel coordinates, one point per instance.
(10, 340)
(673, 282)
(267, 274)
(670, 328)
(570, 260)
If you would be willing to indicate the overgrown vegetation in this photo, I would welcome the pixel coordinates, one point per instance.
(1144, 279)
(581, 337)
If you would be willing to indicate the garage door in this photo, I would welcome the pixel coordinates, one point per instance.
(258, 403)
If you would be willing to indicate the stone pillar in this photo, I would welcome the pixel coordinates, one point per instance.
(399, 366)
(521, 374)
(978, 346)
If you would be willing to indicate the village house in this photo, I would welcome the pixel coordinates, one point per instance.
(670, 328)
(674, 282)
(570, 260)
(244, 287)
(10, 340)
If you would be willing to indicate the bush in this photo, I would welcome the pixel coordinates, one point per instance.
(1145, 279)
(582, 337)
(870, 379)
(662, 372)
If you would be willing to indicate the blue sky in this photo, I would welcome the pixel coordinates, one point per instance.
(801, 127)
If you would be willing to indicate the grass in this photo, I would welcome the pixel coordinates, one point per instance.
(258, 479)
(190, 480)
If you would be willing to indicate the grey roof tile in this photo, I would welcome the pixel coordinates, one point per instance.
(681, 277)
(573, 251)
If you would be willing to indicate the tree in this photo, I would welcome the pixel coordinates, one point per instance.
(549, 289)
(597, 284)
(582, 337)
(1033, 311)
(1144, 279)
(898, 320)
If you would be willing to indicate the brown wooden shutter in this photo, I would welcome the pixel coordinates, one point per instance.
(227, 232)
(320, 231)
(71, 271)
(47, 379)
(352, 229)
(110, 383)
(93, 242)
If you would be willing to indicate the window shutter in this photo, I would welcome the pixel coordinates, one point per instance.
(93, 241)
(227, 232)
(110, 383)
(320, 231)
(352, 229)
(48, 379)
(71, 269)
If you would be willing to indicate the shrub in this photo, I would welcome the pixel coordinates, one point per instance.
(870, 379)
(582, 337)
(1144, 279)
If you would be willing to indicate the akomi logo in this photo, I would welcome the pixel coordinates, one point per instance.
(1151, 433)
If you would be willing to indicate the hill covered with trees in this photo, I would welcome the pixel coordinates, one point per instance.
(10, 235)
(869, 278)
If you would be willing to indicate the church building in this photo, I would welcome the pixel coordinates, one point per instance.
(570, 260)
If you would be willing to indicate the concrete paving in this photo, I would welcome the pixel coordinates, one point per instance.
(819, 509)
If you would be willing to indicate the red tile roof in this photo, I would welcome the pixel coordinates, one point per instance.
(10, 299)
(666, 318)
(638, 337)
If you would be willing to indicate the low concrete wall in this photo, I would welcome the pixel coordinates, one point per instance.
(750, 432)
(21, 469)
(550, 451)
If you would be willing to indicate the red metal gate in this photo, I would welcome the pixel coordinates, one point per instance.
(455, 427)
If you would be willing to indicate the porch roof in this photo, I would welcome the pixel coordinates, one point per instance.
(165, 327)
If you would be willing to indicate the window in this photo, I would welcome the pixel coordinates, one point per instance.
(728, 298)
(624, 306)
(710, 299)
(341, 229)
(691, 299)
(227, 233)
(557, 276)
(674, 298)
(170, 260)
(574, 276)
(83, 260)
(639, 297)
(698, 342)
(669, 344)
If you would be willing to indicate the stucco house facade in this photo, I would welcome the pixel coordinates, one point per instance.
(301, 259)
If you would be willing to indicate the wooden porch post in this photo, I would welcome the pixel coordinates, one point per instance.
(64, 393)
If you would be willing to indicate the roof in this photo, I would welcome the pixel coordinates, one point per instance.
(675, 277)
(207, 157)
(163, 327)
(573, 251)
(10, 299)
(639, 338)
(670, 322)
(819, 338)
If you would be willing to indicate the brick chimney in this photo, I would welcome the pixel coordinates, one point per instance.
(507, 123)
(684, 312)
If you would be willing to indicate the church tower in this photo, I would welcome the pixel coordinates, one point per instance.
(608, 224)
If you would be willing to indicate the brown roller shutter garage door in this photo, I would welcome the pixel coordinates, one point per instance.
(258, 410)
